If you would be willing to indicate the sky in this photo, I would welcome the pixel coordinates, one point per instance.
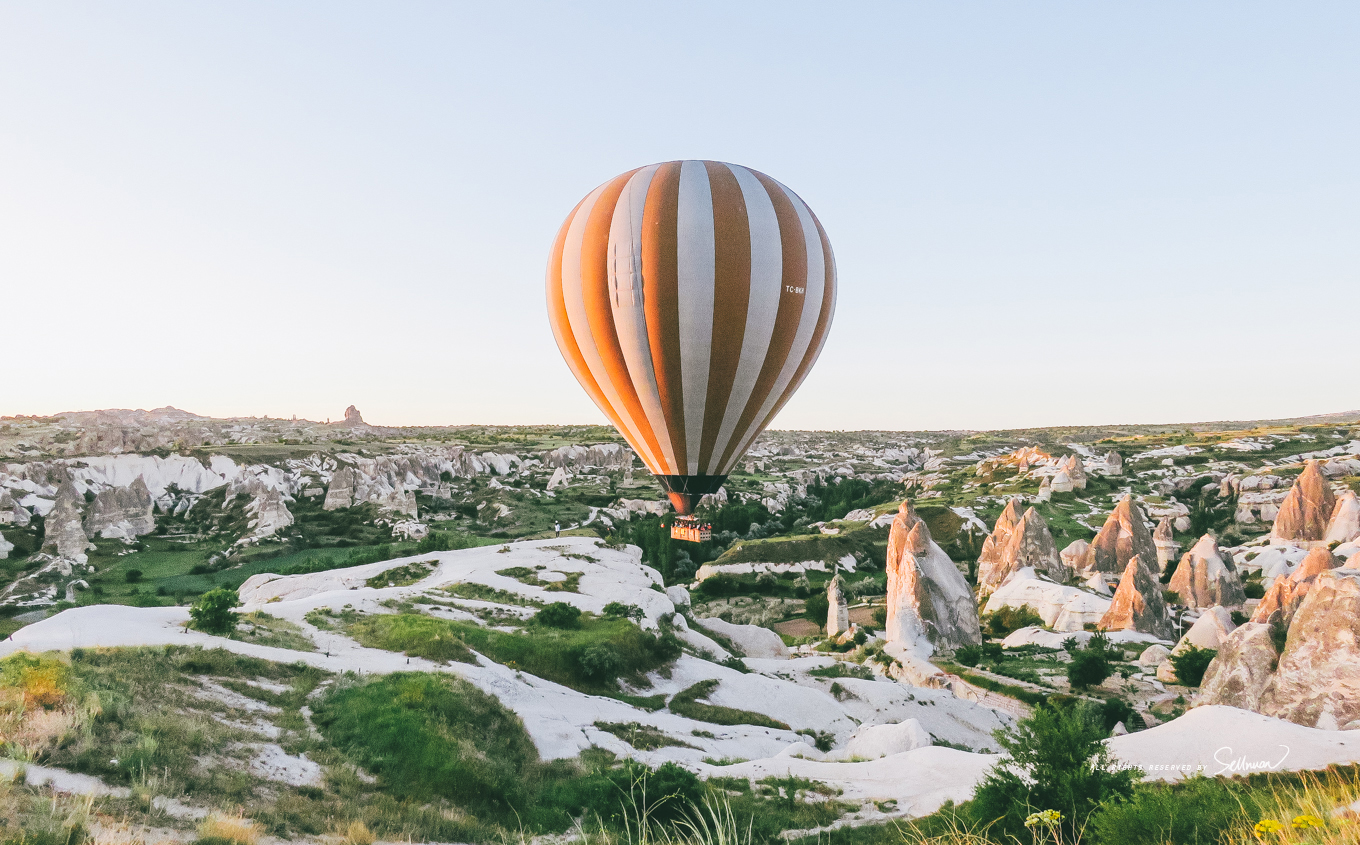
(1043, 213)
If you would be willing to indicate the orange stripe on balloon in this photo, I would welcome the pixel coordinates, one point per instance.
(731, 296)
(661, 304)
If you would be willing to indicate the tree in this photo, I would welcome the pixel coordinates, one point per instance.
(1191, 664)
(1054, 760)
(1090, 666)
(214, 612)
(559, 614)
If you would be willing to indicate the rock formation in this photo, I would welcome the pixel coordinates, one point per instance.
(1061, 608)
(1075, 472)
(1306, 510)
(1315, 679)
(1061, 483)
(930, 604)
(1318, 679)
(1344, 525)
(63, 528)
(1137, 604)
(1045, 490)
(1114, 463)
(1074, 555)
(1204, 578)
(1124, 536)
(350, 487)
(989, 561)
(271, 513)
(122, 513)
(1165, 541)
(1028, 544)
(5, 547)
(1286, 593)
(354, 419)
(838, 609)
(340, 493)
(1245, 664)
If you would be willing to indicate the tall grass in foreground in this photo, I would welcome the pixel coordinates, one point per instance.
(1321, 811)
(710, 822)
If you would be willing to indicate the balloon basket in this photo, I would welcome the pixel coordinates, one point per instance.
(691, 530)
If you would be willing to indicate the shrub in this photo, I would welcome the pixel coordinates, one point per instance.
(599, 663)
(1088, 668)
(559, 614)
(1054, 759)
(237, 830)
(1191, 664)
(619, 610)
(816, 608)
(720, 585)
(1254, 590)
(1006, 621)
(132, 576)
(1196, 812)
(214, 612)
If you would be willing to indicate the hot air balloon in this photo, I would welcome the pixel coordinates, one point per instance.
(690, 300)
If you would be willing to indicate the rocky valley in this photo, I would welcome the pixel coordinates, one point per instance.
(261, 622)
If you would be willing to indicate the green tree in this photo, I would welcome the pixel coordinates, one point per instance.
(1191, 664)
(559, 614)
(1053, 760)
(214, 612)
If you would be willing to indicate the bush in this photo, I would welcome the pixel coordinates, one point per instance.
(559, 614)
(1191, 664)
(1054, 760)
(720, 585)
(1088, 668)
(599, 663)
(132, 576)
(1008, 620)
(1196, 812)
(214, 612)
(619, 610)
(1254, 590)
(816, 608)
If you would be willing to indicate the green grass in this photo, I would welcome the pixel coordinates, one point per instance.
(262, 629)
(642, 737)
(687, 703)
(829, 548)
(403, 576)
(590, 658)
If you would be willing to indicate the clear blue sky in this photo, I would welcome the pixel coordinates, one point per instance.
(1043, 213)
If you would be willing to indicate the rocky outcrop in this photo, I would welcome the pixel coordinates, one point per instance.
(989, 561)
(5, 547)
(350, 487)
(1344, 525)
(1074, 555)
(63, 528)
(1114, 463)
(1028, 544)
(1061, 483)
(930, 604)
(1061, 608)
(1076, 472)
(270, 513)
(603, 455)
(1164, 540)
(122, 513)
(1317, 681)
(1210, 631)
(1137, 604)
(1244, 666)
(838, 609)
(1124, 536)
(1286, 593)
(340, 493)
(1205, 578)
(1306, 510)
(353, 419)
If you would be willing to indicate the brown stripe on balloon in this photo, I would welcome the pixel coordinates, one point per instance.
(599, 311)
(787, 317)
(824, 316)
(561, 326)
(661, 306)
(731, 296)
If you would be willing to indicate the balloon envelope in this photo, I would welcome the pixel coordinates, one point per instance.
(690, 299)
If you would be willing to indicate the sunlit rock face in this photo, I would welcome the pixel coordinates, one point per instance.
(1204, 578)
(930, 604)
(1137, 604)
(1306, 510)
(1124, 536)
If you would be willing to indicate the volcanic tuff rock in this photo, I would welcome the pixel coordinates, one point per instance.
(989, 561)
(271, 513)
(63, 526)
(597, 455)
(838, 609)
(1061, 608)
(1345, 522)
(1245, 664)
(1204, 578)
(1287, 591)
(1075, 471)
(930, 604)
(5, 547)
(1306, 510)
(1138, 603)
(1074, 555)
(340, 493)
(1167, 547)
(1124, 536)
(1030, 544)
(353, 418)
(1318, 679)
(121, 512)
(1114, 463)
